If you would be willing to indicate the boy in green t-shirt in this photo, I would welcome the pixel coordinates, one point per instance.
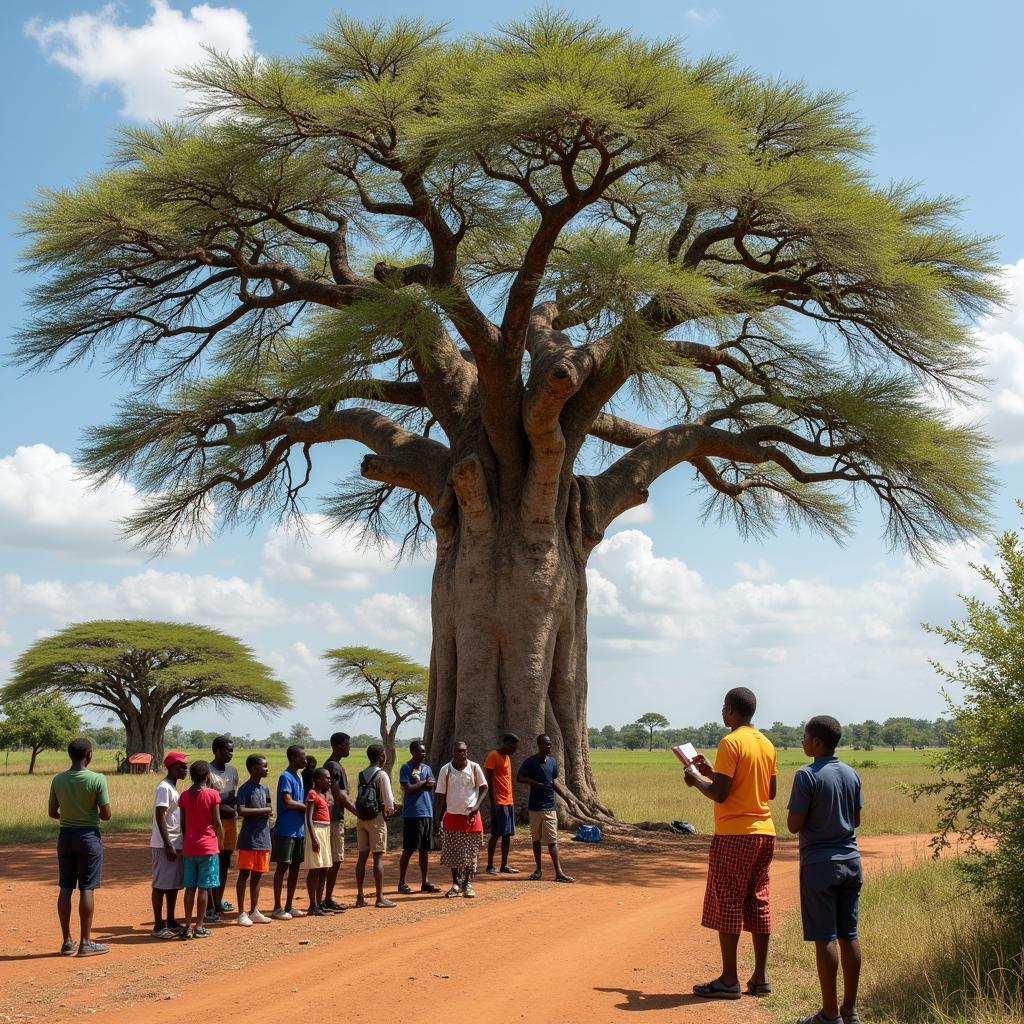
(79, 801)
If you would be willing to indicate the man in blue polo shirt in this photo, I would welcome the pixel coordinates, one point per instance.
(417, 781)
(540, 772)
(824, 809)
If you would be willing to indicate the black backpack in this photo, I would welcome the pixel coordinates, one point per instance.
(368, 796)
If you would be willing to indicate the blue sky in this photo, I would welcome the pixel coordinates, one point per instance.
(679, 609)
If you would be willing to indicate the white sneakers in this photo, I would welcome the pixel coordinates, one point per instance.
(281, 915)
(244, 920)
(259, 918)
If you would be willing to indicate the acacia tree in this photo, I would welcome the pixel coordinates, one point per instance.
(145, 673)
(388, 686)
(472, 257)
(650, 721)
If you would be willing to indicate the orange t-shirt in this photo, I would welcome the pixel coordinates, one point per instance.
(749, 759)
(501, 765)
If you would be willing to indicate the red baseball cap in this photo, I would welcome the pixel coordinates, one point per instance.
(174, 757)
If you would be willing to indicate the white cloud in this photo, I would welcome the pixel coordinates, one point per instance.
(235, 603)
(403, 622)
(1001, 337)
(318, 556)
(638, 514)
(139, 61)
(46, 504)
(696, 17)
(803, 641)
(759, 572)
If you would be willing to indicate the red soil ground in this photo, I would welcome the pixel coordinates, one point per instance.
(626, 937)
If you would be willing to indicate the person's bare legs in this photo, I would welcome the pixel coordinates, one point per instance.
(553, 854)
(378, 875)
(255, 881)
(190, 899)
(86, 906)
(311, 880)
(364, 856)
(492, 844)
(849, 953)
(203, 899)
(279, 873)
(424, 867)
(506, 842)
(217, 895)
(64, 912)
(729, 943)
(240, 883)
(536, 856)
(172, 900)
(332, 880)
(403, 866)
(826, 957)
(760, 975)
(293, 881)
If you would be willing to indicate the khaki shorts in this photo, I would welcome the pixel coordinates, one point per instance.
(337, 842)
(544, 827)
(372, 835)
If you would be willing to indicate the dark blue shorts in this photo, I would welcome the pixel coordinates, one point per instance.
(829, 894)
(79, 858)
(503, 823)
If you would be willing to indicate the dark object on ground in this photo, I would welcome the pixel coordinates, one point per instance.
(684, 828)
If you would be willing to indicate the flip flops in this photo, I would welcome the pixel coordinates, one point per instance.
(566, 879)
(717, 990)
(536, 876)
(763, 988)
(92, 949)
(429, 887)
(507, 870)
(819, 1018)
(67, 947)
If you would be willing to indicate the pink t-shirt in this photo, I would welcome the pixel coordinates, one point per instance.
(200, 835)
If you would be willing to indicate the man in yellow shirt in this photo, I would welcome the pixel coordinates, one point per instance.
(737, 897)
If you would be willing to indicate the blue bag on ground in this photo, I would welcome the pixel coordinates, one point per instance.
(588, 834)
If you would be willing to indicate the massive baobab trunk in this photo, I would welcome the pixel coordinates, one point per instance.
(509, 615)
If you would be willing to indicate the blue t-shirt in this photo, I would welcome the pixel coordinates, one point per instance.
(828, 792)
(290, 824)
(544, 770)
(421, 804)
(255, 832)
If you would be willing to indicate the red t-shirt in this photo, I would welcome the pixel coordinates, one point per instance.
(321, 812)
(200, 836)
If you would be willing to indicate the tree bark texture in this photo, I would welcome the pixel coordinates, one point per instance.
(509, 615)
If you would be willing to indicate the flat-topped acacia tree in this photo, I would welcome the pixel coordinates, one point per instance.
(461, 253)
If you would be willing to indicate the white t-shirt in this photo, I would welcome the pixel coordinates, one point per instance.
(226, 783)
(460, 787)
(167, 796)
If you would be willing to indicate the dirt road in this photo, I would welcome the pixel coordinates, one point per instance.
(626, 937)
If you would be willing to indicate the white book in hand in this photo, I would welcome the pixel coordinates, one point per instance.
(687, 753)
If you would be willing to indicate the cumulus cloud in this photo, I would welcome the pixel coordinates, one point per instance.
(859, 645)
(1001, 337)
(139, 61)
(229, 601)
(318, 556)
(635, 516)
(403, 622)
(46, 504)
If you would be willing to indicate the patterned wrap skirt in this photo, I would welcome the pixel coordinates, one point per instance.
(460, 845)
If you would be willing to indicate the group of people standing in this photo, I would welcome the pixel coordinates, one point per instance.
(196, 832)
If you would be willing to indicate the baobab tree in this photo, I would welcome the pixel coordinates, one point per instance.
(474, 257)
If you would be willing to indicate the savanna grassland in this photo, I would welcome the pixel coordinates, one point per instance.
(638, 785)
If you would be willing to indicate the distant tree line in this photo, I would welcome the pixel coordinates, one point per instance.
(893, 732)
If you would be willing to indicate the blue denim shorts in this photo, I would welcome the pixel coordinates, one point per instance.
(79, 858)
(503, 822)
(829, 897)
(201, 872)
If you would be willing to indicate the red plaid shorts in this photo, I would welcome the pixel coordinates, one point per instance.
(738, 895)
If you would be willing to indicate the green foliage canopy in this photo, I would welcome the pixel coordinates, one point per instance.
(145, 672)
(39, 723)
(326, 238)
(981, 773)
